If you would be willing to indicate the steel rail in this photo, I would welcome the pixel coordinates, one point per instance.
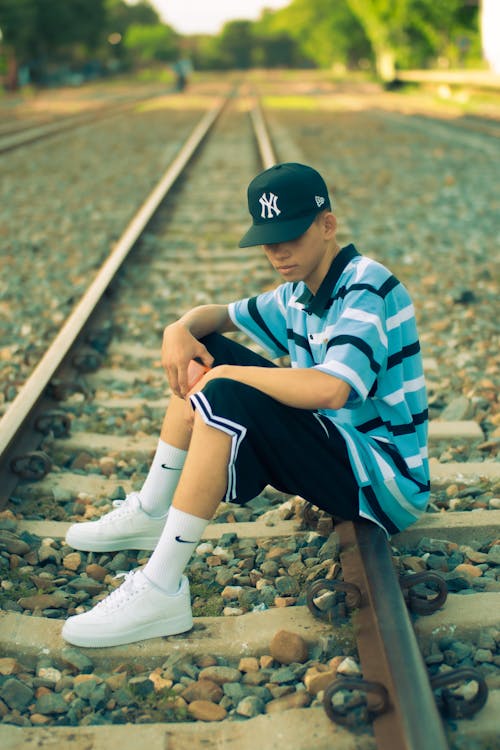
(264, 144)
(387, 645)
(31, 134)
(24, 403)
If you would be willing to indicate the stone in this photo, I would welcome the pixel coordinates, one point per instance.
(76, 661)
(319, 681)
(9, 665)
(266, 661)
(39, 720)
(231, 592)
(494, 554)
(203, 689)
(285, 601)
(348, 667)
(107, 465)
(483, 655)
(159, 682)
(250, 706)
(84, 583)
(248, 664)
(292, 700)
(72, 561)
(47, 553)
(458, 409)
(141, 685)
(85, 688)
(16, 694)
(44, 601)
(12, 544)
(414, 563)
(287, 586)
(220, 674)
(51, 703)
(470, 570)
(287, 647)
(51, 674)
(474, 555)
(96, 572)
(206, 711)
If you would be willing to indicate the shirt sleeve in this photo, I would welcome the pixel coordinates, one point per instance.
(263, 318)
(356, 349)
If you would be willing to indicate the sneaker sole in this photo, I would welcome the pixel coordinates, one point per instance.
(174, 626)
(96, 545)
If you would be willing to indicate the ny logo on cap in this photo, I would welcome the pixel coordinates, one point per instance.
(271, 205)
(319, 200)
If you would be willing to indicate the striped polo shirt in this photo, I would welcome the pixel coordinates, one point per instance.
(360, 327)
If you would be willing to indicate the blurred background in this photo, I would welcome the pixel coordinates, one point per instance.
(50, 43)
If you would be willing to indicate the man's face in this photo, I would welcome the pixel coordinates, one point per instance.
(304, 259)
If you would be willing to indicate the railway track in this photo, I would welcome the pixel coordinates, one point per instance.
(109, 395)
(21, 134)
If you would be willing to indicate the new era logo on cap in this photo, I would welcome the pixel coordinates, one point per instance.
(283, 202)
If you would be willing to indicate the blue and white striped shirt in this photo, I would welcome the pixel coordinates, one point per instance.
(360, 327)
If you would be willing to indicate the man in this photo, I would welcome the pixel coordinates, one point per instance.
(345, 427)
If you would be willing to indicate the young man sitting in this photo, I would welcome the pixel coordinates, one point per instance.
(345, 426)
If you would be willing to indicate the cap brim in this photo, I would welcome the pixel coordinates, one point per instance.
(271, 234)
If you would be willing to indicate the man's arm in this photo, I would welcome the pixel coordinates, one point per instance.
(302, 388)
(181, 342)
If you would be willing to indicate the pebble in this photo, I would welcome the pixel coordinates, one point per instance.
(220, 674)
(494, 554)
(44, 601)
(203, 689)
(9, 665)
(286, 702)
(349, 667)
(16, 694)
(287, 647)
(206, 711)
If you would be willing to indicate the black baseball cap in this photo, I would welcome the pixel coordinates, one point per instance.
(283, 202)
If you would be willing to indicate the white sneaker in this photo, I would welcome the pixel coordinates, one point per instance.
(127, 527)
(133, 612)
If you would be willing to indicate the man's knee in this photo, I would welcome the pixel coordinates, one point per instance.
(232, 399)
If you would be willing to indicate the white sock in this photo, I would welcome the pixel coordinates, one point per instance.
(158, 489)
(180, 536)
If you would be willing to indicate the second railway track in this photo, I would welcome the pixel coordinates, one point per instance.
(186, 257)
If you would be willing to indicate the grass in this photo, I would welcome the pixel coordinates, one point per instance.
(22, 587)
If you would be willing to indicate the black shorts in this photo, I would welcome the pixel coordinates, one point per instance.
(297, 451)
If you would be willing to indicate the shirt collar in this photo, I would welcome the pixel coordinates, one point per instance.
(316, 303)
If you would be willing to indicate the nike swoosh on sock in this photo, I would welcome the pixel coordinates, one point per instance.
(173, 468)
(183, 541)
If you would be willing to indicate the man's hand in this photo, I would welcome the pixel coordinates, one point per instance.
(179, 348)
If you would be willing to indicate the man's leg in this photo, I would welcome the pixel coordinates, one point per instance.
(159, 486)
(137, 521)
(201, 487)
(156, 601)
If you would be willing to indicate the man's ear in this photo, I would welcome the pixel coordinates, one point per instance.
(329, 224)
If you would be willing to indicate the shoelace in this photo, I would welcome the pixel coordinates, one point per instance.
(122, 594)
(123, 509)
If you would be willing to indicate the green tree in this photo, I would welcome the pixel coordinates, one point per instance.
(235, 45)
(120, 15)
(152, 43)
(383, 22)
(325, 32)
(17, 27)
(36, 30)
